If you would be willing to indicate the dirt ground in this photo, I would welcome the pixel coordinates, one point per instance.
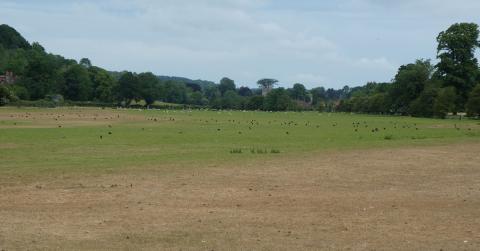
(411, 198)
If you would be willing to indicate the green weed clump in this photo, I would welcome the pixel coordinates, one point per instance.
(388, 137)
(236, 151)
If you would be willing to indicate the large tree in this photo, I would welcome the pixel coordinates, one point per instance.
(129, 88)
(408, 84)
(473, 105)
(277, 100)
(149, 87)
(103, 84)
(458, 66)
(298, 92)
(226, 84)
(78, 86)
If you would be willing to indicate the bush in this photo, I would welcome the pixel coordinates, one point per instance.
(6, 95)
(473, 104)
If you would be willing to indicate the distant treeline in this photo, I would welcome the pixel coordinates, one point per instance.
(418, 89)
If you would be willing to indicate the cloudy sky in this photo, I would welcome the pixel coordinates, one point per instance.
(328, 43)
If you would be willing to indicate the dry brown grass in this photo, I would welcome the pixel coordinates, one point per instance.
(401, 199)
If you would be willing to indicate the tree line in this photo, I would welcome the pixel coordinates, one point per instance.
(418, 89)
(426, 90)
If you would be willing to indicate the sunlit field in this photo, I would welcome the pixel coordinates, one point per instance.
(103, 179)
(73, 139)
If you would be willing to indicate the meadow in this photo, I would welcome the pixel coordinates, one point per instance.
(116, 179)
(81, 139)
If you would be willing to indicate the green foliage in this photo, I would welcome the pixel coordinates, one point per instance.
(175, 92)
(129, 88)
(226, 84)
(103, 84)
(85, 62)
(423, 105)
(6, 95)
(11, 39)
(196, 98)
(245, 91)
(458, 66)
(78, 86)
(473, 105)
(277, 100)
(318, 95)
(231, 100)
(149, 87)
(255, 103)
(445, 102)
(299, 92)
(266, 82)
(418, 89)
(409, 82)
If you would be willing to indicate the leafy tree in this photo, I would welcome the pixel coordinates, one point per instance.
(175, 92)
(212, 92)
(409, 82)
(85, 62)
(267, 82)
(6, 95)
(277, 100)
(149, 90)
(298, 92)
(473, 105)
(458, 66)
(226, 84)
(231, 100)
(245, 91)
(196, 98)
(11, 39)
(445, 102)
(78, 86)
(255, 103)
(15, 61)
(423, 105)
(41, 75)
(376, 103)
(129, 88)
(318, 95)
(103, 84)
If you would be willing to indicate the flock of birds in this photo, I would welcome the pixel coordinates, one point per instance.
(250, 123)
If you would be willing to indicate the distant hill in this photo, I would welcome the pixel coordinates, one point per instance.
(11, 39)
(188, 82)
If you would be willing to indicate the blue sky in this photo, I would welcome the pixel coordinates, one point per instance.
(314, 42)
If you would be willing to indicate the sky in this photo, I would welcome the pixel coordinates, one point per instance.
(314, 42)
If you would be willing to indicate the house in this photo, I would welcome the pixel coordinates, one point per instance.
(8, 78)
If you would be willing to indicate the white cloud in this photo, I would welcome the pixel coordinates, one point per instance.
(332, 43)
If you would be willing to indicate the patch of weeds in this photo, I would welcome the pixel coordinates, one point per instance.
(264, 151)
(236, 151)
(388, 137)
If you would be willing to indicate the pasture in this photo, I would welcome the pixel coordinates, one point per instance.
(91, 178)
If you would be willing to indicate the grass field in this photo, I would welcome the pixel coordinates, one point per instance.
(107, 179)
(72, 139)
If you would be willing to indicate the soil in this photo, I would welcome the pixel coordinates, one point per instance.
(410, 198)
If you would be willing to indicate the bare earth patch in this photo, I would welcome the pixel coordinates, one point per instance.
(424, 198)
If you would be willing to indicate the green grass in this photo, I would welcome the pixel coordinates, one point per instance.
(193, 138)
